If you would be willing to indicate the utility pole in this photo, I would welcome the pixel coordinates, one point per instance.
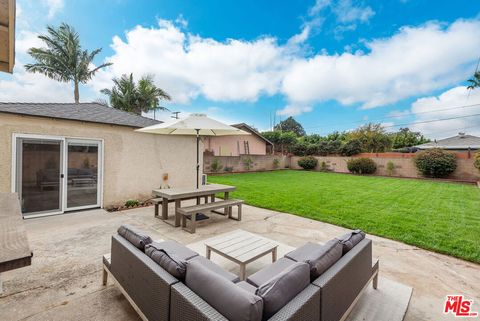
(175, 114)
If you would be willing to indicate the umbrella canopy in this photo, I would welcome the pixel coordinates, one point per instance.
(195, 124)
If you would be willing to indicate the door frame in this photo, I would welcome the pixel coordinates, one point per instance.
(63, 168)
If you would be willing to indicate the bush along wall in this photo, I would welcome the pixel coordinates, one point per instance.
(308, 162)
(435, 163)
(361, 166)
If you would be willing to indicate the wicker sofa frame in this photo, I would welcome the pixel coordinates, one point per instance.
(158, 296)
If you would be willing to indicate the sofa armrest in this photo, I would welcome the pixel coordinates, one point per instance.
(187, 305)
(343, 282)
(145, 282)
(304, 307)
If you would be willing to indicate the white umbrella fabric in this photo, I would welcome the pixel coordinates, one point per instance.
(195, 124)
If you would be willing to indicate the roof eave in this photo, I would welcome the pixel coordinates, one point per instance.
(9, 29)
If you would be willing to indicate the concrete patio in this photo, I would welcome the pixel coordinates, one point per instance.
(64, 280)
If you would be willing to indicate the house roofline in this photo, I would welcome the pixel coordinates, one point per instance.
(253, 130)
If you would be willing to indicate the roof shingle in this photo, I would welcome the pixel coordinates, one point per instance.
(88, 112)
(460, 141)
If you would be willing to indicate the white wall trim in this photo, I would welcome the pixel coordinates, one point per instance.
(64, 154)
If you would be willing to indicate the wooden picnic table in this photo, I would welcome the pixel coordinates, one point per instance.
(183, 193)
(15, 251)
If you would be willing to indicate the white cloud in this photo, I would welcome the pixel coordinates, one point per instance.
(443, 106)
(399, 114)
(27, 87)
(347, 12)
(294, 110)
(54, 6)
(186, 65)
(414, 61)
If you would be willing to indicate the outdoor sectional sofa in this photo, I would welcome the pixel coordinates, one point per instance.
(167, 281)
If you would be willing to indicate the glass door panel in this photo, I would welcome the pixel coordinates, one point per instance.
(39, 183)
(82, 174)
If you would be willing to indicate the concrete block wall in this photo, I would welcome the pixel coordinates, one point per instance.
(236, 163)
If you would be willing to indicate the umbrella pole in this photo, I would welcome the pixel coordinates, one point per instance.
(198, 156)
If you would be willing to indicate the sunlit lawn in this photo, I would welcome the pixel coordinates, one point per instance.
(439, 216)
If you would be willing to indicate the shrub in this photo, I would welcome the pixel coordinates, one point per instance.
(216, 165)
(435, 163)
(308, 162)
(132, 203)
(390, 168)
(323, 166)
(276, 162)
(361, 165)
(477, 160)
(248, 162)
(352, 147)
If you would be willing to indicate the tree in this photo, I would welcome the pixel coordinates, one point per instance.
(63, 59)
(372, 137)
(129, 96)
(474, 81)
(290, 125)
(406, 138)
(283, 141)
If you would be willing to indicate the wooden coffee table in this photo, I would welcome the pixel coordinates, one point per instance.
(241, 247)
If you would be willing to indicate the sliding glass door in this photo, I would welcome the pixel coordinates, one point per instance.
(82, 174)
(56, 174)
(38, 177)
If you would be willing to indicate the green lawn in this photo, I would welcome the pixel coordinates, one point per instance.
(438, 216)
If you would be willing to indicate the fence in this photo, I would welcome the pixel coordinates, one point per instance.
(244, 163)
(403, 164)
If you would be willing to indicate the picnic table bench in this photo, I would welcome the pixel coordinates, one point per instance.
(191, 212)
(15, 251)
(180, 194)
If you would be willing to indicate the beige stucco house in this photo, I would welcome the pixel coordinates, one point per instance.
(7, 35)
(254, 144)
(64, 157)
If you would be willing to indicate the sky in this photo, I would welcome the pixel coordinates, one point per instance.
(332, 64)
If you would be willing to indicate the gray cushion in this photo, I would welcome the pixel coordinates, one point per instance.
(217, 269)
(226, 297)
(351, 239)
(319, 257)
(268, 272)
(171, 256)
(134, 236)
(247, 286)
(282, 288)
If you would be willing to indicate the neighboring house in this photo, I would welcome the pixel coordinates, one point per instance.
(63, 157)
(254, 144)
(461, 142)
(7, 35)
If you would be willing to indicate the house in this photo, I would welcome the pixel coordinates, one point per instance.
(64, 157)
(254, 144)
(7, 35)
(461, 142)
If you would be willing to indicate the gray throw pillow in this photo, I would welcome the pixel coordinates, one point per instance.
(134, 236)
(351, 239)
(171, 256)
(232, 301)
(319, 257)
(283, 287)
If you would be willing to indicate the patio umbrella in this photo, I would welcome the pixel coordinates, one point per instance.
(195, 124)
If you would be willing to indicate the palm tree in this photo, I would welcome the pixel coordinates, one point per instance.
(143, 96)
(63, 59)
(474, 81)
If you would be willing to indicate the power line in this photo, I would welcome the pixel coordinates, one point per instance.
(431, 121)
(398, 116)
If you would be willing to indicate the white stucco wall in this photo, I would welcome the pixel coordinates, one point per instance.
(134, 163)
